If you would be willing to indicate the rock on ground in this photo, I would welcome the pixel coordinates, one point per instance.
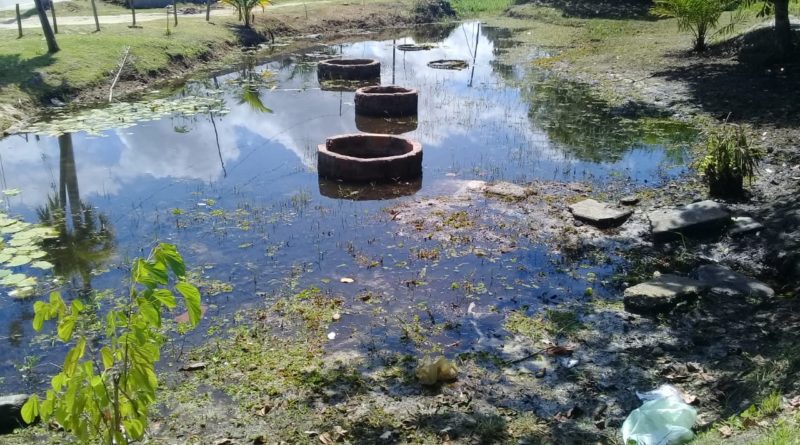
(660, 294)
(724, 281)
(744, 224)
(598, 213)
(691, 220)
(508, 190)
(10, 412)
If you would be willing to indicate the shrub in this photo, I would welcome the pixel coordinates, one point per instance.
(729, 156)
(699, 17)
(427, 11)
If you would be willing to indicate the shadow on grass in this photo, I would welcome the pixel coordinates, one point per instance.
(605, 9)
(14, 70)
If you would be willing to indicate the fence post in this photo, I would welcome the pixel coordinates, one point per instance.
(19, 22)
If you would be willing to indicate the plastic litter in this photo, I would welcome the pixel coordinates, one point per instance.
(663, 419)
(431, 372)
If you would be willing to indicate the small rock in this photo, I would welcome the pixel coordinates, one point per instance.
(724, 281)
(387, 435)
(194, 366)
(508, 191)
(598, 213)
(660, 294)
(11, 412)
(744, 224)
(630, 200)
(692, 219)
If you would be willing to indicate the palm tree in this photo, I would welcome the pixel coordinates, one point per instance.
(245, 8)
(52, 45)
(88, 242)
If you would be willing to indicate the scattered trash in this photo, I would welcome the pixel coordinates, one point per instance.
(430, 372)
(663, 419)
(346, 280)
(331, 335)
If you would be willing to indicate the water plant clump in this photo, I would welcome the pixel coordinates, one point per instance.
(128, 114)
(20, 246)
(729, 156)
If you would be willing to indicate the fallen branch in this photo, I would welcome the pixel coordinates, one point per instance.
(119, 71)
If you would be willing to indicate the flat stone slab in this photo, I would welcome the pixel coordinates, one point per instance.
(692, 219)
(10, 412)
(724, 281)
(661, 294)
(599, 213)
(508, 190)
(741, 225)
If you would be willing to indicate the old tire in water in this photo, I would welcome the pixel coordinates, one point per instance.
(386, 101)
(349, 69)
(369, 158)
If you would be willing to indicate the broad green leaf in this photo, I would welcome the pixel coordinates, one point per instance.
(108, 357)
(165, 297)
(191, 297)
(66, 327)
(57, 382)
(30, 410)
(149, 312)
(168, 254)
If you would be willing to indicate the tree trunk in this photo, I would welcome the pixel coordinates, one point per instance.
(133, 11)
(52, 45)
(783, 28)
(96, 20)
(53, 11)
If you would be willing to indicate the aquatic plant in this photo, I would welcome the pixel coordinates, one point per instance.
(128, 114)
(106, 397)
(20, 246)
(728, 157)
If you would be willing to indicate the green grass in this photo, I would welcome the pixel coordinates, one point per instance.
(88, 59)
(475, 7)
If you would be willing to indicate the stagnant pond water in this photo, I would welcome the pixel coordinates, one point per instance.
(238, 192)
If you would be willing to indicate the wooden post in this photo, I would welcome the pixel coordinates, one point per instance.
(53, 11)
(208, 10)
(96, 20)
(19, 22)
(175, 11)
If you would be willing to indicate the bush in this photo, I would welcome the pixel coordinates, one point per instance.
(699, 17)
(428, 11)
(729, 157)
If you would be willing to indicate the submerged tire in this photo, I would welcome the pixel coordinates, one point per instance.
(349, 69)
(369, 157)
(386, 101)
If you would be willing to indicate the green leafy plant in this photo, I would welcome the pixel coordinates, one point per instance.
(729, 156)
(245, 8)
(699, 17)
(103, 395)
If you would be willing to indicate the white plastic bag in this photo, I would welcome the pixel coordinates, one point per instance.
(663, 419)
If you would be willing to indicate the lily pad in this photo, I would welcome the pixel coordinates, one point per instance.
(13, 279)
(44, 265)
(19, 260)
